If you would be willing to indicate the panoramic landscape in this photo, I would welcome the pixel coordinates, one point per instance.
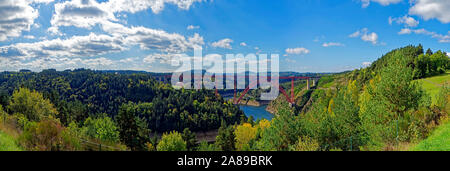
(224, 75)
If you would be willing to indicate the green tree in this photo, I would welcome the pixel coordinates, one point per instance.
(387, 98)
(225, 139)
(429, 52)
(190, 139)
(172, 142)
(133, 130)
(283, 132)
(204, 146)
(31, 104)
(102, 128)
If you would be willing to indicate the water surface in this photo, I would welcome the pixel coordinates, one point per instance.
(258, 112)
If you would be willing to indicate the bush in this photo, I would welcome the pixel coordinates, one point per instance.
(172, 142)
(306, 144)
(42, 136)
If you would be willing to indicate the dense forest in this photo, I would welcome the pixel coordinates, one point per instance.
(380, 107)
(128, 101)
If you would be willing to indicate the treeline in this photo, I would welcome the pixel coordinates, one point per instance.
(423, 64)
(80, 94)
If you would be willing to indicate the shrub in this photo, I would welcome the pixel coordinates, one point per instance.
(306, 144)
(47, 135)
(172, 142)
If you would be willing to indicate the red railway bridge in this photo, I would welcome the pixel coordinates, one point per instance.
(253, 83)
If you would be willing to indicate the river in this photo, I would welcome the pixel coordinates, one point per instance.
(258, 112)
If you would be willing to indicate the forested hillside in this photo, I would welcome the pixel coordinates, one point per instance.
(82, 93)
(380, 107)
(125, 107)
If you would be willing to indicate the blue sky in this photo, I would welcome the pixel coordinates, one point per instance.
(309, 35)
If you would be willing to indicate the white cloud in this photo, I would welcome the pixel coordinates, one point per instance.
(365, 35)
(152, 39)
(85, 14)
(192, 27)
(243, 44)
(329, 44)
(406, 20)
(448, 54)
(121, 39)
(366, 64)
(298, 50)
(28, 37)
(366, 3)
(290, 60)
(91, 45)
(441, 38)
(16, 16)
(80, 13)
(41, 1)
(88, 13)
(155, 5)
(57, 63)
(97, 61)
(224, 43)
(430, 9)
(162, 58)
(405, 31)
(371, 37)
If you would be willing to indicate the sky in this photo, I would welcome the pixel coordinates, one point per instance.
(147, 35)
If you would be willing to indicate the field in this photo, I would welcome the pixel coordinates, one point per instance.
(439, 140)
(432, 84)
(440, 137)
(7, 143)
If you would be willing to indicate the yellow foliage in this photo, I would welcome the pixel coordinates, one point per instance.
(244, 134)
(263, 124)
(150, 146)
(330, 107)
(306, 144)
(32, 104)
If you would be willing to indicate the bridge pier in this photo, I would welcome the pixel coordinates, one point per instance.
(307, 84)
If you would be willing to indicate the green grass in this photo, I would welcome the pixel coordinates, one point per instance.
(7, 143)
(433, 84)
(439, 140)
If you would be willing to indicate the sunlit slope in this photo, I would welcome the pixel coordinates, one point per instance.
(433, 84)
(439, 140)
(7, 143)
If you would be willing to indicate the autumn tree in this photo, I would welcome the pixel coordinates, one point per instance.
(244, 134)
